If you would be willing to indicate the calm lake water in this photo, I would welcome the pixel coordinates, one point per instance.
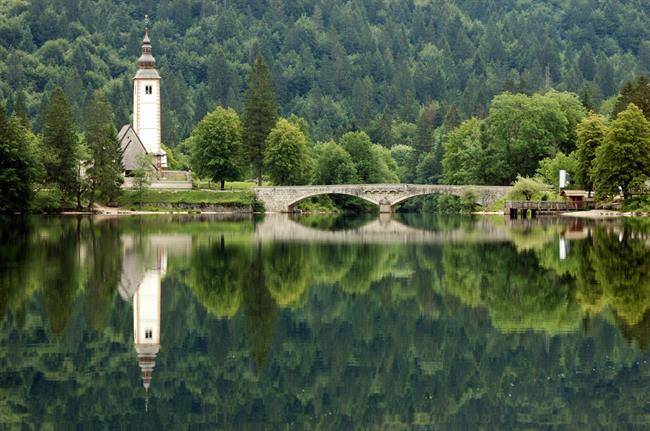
(412, 322)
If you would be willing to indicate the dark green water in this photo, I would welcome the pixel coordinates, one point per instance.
(326, 323)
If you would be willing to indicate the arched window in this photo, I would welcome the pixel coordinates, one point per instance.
(148, 334)
(148, 89)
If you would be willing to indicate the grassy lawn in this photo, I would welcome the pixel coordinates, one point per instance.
(167, 198)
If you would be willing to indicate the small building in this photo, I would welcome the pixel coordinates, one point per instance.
(577, 195)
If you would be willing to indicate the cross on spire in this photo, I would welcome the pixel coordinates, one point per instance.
(146, 22)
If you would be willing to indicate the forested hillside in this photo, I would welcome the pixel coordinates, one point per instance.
(369, 65)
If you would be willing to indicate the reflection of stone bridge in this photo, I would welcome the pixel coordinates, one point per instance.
(383, 230)
(385, 196)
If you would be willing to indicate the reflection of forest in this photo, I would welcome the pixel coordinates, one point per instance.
(324, 335)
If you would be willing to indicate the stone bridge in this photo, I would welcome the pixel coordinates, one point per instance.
(385, 196)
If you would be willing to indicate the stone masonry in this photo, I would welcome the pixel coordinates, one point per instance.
(385, 196)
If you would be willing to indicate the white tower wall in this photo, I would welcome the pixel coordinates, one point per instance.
(146, 113)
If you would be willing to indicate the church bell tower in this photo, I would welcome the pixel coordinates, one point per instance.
(146, 103)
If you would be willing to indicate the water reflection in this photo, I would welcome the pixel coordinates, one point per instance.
(264, 323)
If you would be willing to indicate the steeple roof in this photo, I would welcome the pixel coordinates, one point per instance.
(146, 60)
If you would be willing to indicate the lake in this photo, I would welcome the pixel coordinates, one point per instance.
(322, 322)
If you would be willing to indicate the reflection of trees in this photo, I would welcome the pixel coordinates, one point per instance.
(518, 293)
(286, 268)
(622, 269)
(216, 276)
(16, 253)
(105, 249)
(259, 308)
(339, 361)
(372, 263)
(62, 277)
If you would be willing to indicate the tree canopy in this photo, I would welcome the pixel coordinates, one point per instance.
(216, 146)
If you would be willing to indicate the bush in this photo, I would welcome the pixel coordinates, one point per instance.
(529, 189)
(47, 202)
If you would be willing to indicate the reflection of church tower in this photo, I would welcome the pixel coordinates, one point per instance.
(147, 318)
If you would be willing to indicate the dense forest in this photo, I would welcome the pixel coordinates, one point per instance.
(369, 65)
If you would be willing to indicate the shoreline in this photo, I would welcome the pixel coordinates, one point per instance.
(604, 214)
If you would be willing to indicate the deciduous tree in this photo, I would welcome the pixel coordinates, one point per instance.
(590, 135)
(16, 166)
(623, 160)
(334, 165)
(285, 156)
(217, 150)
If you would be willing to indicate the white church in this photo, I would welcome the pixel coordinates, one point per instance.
(144, 136)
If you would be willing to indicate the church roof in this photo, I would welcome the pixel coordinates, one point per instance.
(146, 74)
(132, 147)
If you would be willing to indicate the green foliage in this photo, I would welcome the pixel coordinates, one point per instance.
(574, 111)
(216, 150)
(406, 159)
(260, 114)
(464, 154)
(549, 168)
(105, 164)
(386, 168)
(426, 124)
(590, 135)
(16, 166)
(637, 92)
(520, 131)
(623, 160)
(285, 157)
(334, 165)
(529, 189)
(47, 202)
(142, 177)
(373, 162)
(60, 144)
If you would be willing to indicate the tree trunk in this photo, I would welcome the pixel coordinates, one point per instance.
(223, 184)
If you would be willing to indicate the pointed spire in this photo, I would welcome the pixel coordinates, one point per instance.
(146, 60)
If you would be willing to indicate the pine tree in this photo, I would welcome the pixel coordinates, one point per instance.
(425, 126)
(19, 109)
(105, 170)
(60, 144)
(637, 92)
(587, 99)
(623, 161)
(452, 119)
(260, 115)
(16, 165)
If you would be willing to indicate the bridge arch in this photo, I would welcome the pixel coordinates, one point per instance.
(454, 192)
(292, 203)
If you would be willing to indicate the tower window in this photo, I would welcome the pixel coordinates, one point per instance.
(148, 89)
(148, 334)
